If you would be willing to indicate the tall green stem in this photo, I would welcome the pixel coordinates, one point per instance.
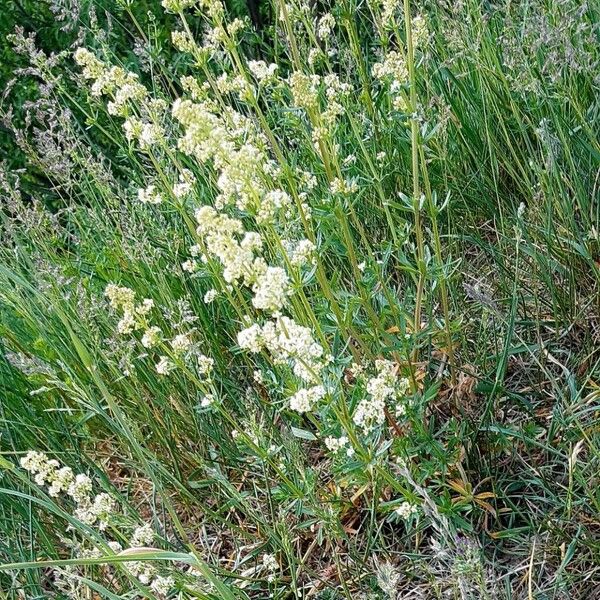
(414, 141)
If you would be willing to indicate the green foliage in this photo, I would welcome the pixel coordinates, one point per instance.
(328, 329)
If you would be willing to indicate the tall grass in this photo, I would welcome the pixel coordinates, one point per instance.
(307, 306)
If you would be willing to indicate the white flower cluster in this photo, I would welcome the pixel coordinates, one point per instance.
(146, 572)
(90, 510)
(227, 84)
(149, 195)
(271, 289)
(207, 400)
(393, 67)
(242, 167)
(189, 266)
(205, 365)
(420, 31)
(183, 187)
(123, 85)
(146, 134)
(151, 337)
(236, 149)
(305, 90)
(183, 41)
(306, 399)
(335, 92)
(274, 202)
(406, 510)
(127, 94)
(220, 233)
(335, 445)
(142, 537)
(177, 6)
(389, 8)
(181, 343)
(286, 341)
(161, 585)
(343, 187)
(134, 316)
(262, 72)
(300, 253)
(164, 366)
(270, 564)
(238, 257)
(325, 26)
(384, 386)
(94, 511)
(210, 296)
(99, 510)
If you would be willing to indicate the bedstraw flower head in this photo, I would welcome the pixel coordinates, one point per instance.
(271, 289)
(406, 510)
(164, 366)
(305, 400)
(120, 297)
(336, 444)
(142, 536)
(380, 388)
(262, 72)
(210, 296)
(325, 26)
(151, 337)
(177, 6)
(162, 585)
(181, 343)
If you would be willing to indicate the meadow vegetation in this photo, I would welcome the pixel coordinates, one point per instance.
(300, 300)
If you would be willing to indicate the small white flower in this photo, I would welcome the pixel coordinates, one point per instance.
(251, 338)
(406, 510)
(120, 297)
(61, 480)
(262, 71)
(208, 400)
(344, 187)
(151, 337)
(270, 562)
(142, 536)
(181, 189)
(303, 253)
(162, 585)
(145, 307)
(115, 547)
(164, 366)
(304, 400)
(326, 25)
(127, 323)
(210, 296)
(190, 266)
(149, 195)
(336, 444)
(181, 343)
(81, 488)
(205, 364)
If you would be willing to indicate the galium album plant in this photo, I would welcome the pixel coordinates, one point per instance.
(308, 305)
